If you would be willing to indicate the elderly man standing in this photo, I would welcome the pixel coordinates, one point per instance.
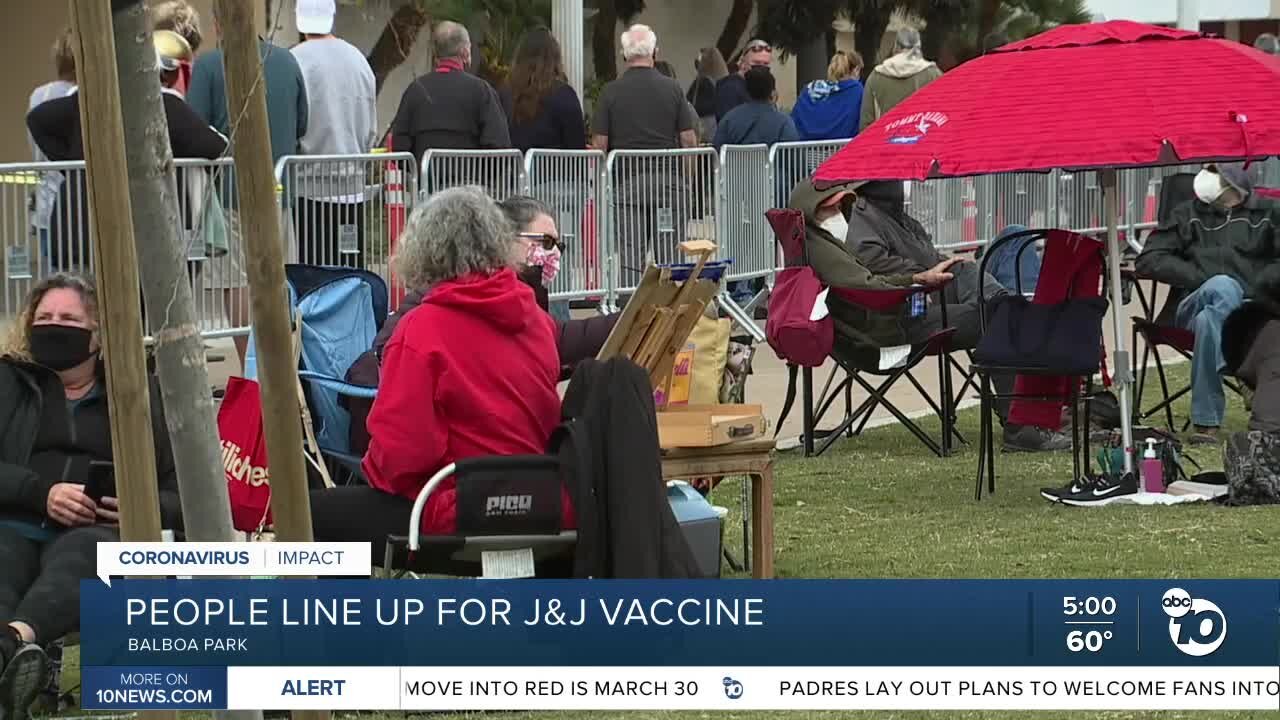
(645, 110)
(893, 80)
(1218, 247)
(448, 107)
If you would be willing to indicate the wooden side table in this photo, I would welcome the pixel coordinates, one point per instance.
(752, 458)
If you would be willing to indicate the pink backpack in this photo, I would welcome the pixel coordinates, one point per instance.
(792, 335)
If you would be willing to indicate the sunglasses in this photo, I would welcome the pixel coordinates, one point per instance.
(758, 47)
(548, 241)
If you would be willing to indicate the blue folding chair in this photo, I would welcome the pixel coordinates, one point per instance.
(337, 312)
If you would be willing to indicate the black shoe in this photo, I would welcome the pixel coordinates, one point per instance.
(1029, 438)
(1103, 491)
(23, 677)
(1075, 487)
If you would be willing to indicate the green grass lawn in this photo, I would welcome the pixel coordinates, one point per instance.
(882, 506)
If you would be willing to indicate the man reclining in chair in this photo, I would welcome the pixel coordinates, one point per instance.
(1217, 247)
(860, 230)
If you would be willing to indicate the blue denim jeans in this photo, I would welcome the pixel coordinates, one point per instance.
(1007, 267)
(1203, 312)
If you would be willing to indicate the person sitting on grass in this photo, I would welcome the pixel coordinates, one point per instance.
(1216, 247)
(55, 434)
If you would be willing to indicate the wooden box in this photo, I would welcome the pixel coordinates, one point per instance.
(709, 425)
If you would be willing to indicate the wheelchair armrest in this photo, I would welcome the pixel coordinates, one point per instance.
(341, 387)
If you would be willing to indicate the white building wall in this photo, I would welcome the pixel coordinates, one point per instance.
(1166, 11)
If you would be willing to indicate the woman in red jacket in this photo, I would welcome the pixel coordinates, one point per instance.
(470, 372)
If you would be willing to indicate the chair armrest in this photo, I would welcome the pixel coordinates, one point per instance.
(878, 300)
(415, 517)
(883, 300)
(339, 386)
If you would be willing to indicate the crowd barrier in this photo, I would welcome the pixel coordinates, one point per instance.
(499, 172)
(571, 183)
(615, 213)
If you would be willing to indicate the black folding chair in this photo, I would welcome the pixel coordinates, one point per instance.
(860, 365)
(986, 369)
(508, 518)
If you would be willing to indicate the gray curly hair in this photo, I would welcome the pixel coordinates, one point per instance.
(458, 231)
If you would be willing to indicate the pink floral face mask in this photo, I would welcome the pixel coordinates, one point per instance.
(549, 260)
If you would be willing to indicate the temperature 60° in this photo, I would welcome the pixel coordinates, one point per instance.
(1090, 640)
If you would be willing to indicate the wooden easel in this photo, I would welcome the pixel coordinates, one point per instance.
(659, 317)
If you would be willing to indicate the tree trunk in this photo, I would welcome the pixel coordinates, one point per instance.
(734, 26)
(179, 349)
(811, 61)
(990, 9)
(870, 23)
(256, 184)
(940, 18)
(397, 40)
(603, 50)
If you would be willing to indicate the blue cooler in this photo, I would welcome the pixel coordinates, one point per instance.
(701, 523)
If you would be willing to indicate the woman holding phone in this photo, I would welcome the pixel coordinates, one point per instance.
(57, 489)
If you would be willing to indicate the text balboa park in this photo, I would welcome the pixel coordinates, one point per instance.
(347, 612)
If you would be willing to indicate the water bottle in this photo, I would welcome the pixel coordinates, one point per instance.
(1152, 469)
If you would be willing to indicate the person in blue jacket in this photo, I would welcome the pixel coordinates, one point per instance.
(829, 109)
(757, 122)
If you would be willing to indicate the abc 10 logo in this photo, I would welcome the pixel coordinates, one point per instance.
(1197, 626)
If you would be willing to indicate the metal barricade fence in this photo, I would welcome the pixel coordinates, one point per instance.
(571, 183)
(744, 235)
(44, 226)
(792, 162)
(346, 210)
(656, 199)
(499, 172)
(211, 231)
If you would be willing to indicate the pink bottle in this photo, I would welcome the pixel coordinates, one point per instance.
(1152, 469)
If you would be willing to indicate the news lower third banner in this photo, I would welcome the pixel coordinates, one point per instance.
(613, 645)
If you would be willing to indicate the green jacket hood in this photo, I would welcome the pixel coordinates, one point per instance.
(806, 197)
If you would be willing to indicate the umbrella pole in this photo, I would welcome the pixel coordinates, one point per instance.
(1119, 317)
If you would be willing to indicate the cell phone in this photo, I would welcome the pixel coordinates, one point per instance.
(101, 481)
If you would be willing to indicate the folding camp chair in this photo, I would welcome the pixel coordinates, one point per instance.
(338, 312)
(858, 363)
(508, 523)
(986, 369)
(1158, 330)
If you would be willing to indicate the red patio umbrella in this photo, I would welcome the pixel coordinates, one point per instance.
(1101, 96)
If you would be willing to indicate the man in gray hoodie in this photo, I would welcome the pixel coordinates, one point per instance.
(893, 80)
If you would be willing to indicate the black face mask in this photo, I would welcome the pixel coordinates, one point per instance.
(60, 347)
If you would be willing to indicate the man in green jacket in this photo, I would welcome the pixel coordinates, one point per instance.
(859, 331)
(893, 80)
(1218, 247)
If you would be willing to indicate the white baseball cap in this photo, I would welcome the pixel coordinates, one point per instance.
(315, 17)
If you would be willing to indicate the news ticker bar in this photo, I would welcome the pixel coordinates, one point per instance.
(682, 688)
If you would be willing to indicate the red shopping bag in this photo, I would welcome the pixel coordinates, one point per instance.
(244, 455)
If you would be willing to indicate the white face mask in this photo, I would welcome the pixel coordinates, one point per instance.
(1208, 186)
(837, 225)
